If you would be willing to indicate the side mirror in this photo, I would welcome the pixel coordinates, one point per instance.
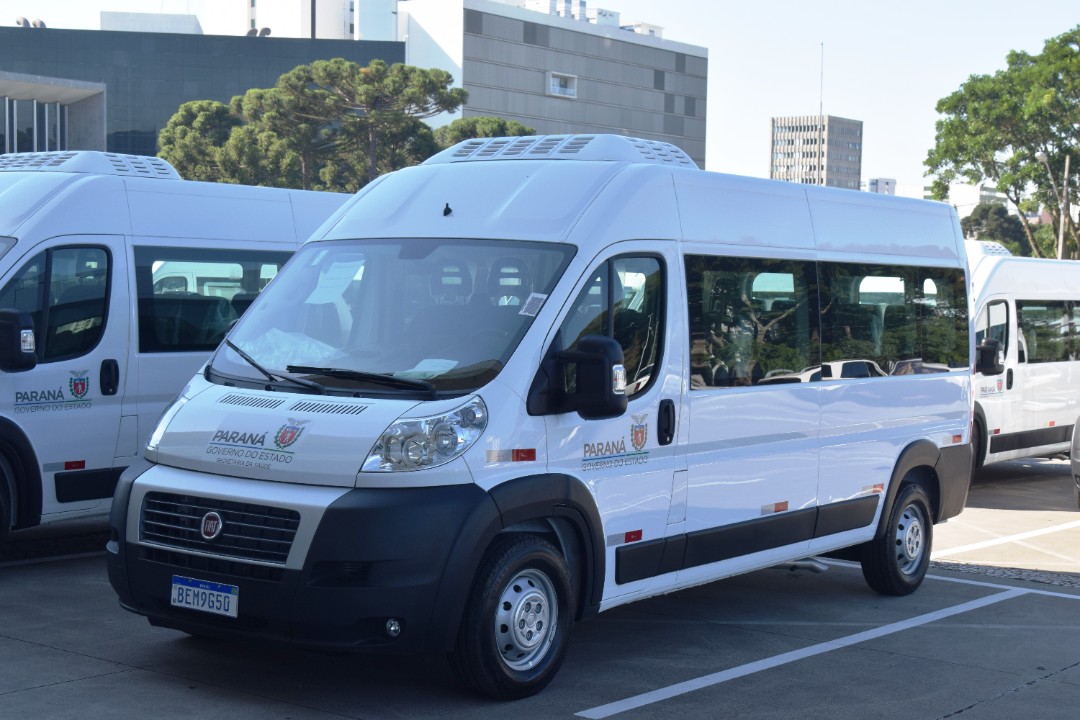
(601, 381)
(18, 348)
(988, 359)
(601, 377)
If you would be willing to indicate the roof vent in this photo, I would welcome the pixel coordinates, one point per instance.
(612, 148)
(89, 161)
(988, 247)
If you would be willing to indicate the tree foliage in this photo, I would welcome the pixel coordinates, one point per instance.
(992, 221)
(192, 137)
(992, 127)
(330, 125)
(479, 127)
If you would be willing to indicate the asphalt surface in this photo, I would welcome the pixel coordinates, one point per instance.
(994, 632)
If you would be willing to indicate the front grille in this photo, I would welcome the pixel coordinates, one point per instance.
(249, 531)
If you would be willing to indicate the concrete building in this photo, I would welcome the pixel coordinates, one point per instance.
(562, 74)
(817, 150)
(114, 91)
(563, 67)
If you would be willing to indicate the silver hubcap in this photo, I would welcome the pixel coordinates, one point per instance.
(910, 540)
(525, 619)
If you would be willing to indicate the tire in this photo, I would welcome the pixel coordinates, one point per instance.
(978, 444)
(5, 502)
(516, 628)
(5, 512)
(896, 563)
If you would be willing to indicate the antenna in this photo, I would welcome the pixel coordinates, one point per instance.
(264, 32)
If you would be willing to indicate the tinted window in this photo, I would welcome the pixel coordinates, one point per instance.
(65, 290)
(188, 298)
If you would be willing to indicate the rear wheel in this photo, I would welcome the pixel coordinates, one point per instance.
(896, 563)
(516, 628)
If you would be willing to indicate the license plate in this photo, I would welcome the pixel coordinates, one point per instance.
(205, 596)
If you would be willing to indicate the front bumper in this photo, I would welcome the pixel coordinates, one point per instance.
(373, 555)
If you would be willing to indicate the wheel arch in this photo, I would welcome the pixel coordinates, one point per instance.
(555, 505)
(918, 464)
(25, 477)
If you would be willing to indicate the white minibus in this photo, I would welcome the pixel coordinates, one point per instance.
(1027, 380)
(535, 378)
(98, 333)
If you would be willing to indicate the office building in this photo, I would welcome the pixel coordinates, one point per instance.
(560, 67)
(101, 90)
(565, 71)
(817, 150)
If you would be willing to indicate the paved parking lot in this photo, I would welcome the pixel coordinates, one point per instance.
(993, 633)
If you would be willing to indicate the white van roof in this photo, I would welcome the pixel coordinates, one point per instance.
(86, 161)
(89, 192)
(599, 189)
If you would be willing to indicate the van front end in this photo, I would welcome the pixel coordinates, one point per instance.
(334, 568)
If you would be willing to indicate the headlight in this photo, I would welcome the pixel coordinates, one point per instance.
(163, 423)
(419, 443)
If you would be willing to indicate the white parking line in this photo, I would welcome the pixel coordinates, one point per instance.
(682, 688)
(1003, 540)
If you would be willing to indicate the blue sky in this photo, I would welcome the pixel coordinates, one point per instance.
(886, 64)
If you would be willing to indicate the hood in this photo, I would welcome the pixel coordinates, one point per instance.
(306, 439)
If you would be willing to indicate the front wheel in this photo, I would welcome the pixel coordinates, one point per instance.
(896, 563)
(515, 632)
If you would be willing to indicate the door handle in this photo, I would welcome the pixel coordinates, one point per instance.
(665, 426)
(1008, 379)
(110, 377)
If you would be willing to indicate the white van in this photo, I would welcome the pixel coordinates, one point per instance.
(1027, 380)
(97, 334)
(523, 383)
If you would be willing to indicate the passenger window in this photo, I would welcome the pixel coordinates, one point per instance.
(752, 321)
(623, 300)
(879, 320)
(65, 290)
(1047, 329)
(189, 298)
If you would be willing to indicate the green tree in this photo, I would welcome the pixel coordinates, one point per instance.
(380, 99)
(992, 221)
(192, 138)
(993, 125)
(478, 127)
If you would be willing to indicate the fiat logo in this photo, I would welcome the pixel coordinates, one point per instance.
(211, 525)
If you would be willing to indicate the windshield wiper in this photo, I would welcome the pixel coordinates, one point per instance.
(378, 378)
(276, 377)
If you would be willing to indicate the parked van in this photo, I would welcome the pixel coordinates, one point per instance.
(465, 415)
(1027, 384)
(105, 313)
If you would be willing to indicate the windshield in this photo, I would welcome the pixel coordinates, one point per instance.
(376, 317)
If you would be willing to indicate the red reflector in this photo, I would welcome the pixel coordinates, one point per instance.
(632, 536)
(524, 455)
(75, 465)
(1053, 423)
(957, 438)
(997, 431)
(782, 506)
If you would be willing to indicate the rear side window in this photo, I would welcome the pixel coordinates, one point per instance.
(188, 298)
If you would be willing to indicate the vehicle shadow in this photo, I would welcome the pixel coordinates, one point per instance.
(1032, 484)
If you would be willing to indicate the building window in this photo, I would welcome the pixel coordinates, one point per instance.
(561, 85)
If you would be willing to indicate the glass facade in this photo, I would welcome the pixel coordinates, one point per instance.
(149, 75)
(32, 126)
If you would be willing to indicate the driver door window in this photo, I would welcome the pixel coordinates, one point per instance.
(65, 291)
(622, 300)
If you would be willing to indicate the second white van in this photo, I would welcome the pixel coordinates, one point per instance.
(117, 279)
